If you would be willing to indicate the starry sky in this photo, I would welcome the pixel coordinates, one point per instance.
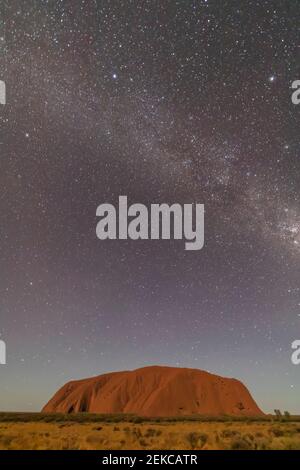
(163, 101)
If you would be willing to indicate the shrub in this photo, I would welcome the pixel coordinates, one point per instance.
(229, 433)
(240, 444)
(196, 439)
(277, 432)
(94, 439)
(143, 443)
(152, 432)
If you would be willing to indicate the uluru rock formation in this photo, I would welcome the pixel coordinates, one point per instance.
(156, 391)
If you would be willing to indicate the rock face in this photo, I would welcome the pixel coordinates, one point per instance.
(156, 391)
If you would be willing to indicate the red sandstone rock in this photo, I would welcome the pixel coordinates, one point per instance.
(156, 391)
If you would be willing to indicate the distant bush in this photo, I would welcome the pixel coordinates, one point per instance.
(84, 417)
(278, 415)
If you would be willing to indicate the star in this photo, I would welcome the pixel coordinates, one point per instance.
(163, 105)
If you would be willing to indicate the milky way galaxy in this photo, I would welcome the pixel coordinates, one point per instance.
(163, 101)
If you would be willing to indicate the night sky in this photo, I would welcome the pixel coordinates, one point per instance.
(162, 101)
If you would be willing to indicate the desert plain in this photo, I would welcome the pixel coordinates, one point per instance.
(84, 431)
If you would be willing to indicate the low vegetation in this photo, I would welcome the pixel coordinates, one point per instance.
(115, 432)
(130, 418)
